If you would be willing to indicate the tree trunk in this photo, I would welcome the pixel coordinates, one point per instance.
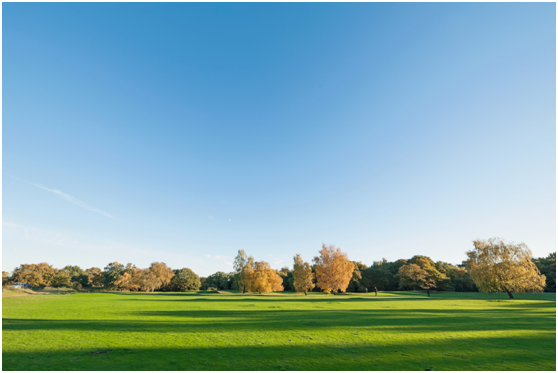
(510, 294)
(305, 292)
(244, 291)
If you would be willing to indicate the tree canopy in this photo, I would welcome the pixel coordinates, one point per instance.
(334, 270)
(497, 266)
(302, 275)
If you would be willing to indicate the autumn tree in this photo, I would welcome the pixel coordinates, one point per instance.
(242, 261)
(124, 282)
(302, 275)
(156, 276)
(34, 274)
(411, 276)
(498, 266)
(277, 282)
(436, 277)
(95, 276)
(5, 278)
(261, 278)
(334, 270)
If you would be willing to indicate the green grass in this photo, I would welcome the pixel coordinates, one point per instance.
(190, 331)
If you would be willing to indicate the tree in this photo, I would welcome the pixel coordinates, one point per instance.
(156, 276)
(220, 280)
(95, 276)
(78, 276)
(185, 279)
(61, 278)
(34, 274)
(5, 278)
(497, 266)
(242, 261)
(302, 275)
(262, 278)
(356, 284)
(111, 274)
(333, 269)
(411, 275)
(148, 280)
(547, 266)
(288, 279)
(277, 282)
(382, 275)
(438, 277)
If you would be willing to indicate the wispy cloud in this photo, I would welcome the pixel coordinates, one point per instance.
(226, 260)
(68, 198)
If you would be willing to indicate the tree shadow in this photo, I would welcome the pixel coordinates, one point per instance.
(302, 354)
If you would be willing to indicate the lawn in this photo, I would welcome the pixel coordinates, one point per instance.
(196, 331)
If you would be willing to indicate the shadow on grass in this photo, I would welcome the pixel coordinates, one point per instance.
(463, 354)
(392, 296)
(397, 320)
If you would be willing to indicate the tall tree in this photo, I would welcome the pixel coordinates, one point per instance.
(334, 270)
(302, 275)
(497, 266)
(242, 261)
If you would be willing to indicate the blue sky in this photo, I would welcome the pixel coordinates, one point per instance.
(185, 132)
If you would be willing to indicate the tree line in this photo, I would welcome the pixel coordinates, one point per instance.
(493, 266)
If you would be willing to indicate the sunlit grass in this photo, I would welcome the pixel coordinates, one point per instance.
(189, 331)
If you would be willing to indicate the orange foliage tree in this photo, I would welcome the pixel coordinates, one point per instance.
(261, 278)
(334, 270)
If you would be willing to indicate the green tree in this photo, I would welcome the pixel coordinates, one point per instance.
(413, 276)
(112, 274)
(78, 277)
(547, 267)
(61, 278)
(356, 284)
(185, 279)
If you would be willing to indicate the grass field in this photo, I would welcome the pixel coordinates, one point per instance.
(190, 331)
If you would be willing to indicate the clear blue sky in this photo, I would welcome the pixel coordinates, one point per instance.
(185, 132)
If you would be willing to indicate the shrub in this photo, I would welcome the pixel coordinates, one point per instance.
(327, 291)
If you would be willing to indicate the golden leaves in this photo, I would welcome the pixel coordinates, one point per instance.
(334, 270)
(497, 266)
(302, 274)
